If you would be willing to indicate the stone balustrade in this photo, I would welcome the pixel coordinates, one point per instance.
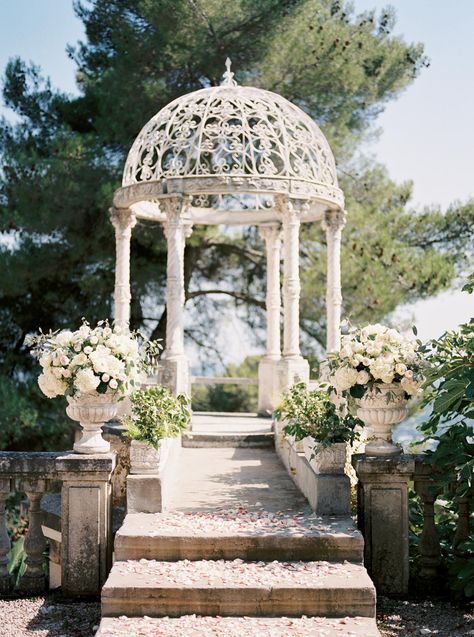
(383, 518)
(86, 513)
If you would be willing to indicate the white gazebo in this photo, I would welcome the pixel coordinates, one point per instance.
(233, 154)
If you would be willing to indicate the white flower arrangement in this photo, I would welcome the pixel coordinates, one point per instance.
(376, 354)
(88, 361)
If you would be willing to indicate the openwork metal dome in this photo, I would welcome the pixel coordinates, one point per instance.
(232, 139)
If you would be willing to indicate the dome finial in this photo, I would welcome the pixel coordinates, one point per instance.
(228, 77)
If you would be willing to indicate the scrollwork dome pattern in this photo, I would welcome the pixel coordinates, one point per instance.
(234, 131)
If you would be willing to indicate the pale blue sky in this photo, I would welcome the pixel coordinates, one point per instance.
(428, 135)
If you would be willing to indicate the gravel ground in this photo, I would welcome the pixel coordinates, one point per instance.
(53, 617)
(48, 617)
(408, 618)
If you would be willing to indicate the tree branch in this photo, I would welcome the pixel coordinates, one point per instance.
(240, 296)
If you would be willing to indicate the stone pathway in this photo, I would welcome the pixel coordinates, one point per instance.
(240, 552)
(225, 477)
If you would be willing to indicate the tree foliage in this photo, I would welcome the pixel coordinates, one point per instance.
(62, 159)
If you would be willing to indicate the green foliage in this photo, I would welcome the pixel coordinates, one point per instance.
(156, 414)
(450, 425)
(22, 427)
(312, 413)
(16, 564)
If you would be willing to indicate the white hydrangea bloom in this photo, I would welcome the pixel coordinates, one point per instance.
(86, 381)
(344, 378)
(50, 385)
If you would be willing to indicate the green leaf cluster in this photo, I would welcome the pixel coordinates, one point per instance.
(156, 414)
(308, 412)
(451, 426)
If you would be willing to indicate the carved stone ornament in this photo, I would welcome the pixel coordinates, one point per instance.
(230, 138)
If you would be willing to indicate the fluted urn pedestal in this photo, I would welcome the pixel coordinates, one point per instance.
(92, 411)
(382, 407)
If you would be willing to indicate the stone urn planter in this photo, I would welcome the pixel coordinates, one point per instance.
(331, 459)
(145, 459)
(92, 411)
(382, 407)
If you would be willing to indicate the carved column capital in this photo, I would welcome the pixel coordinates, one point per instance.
(270, 232)
(123, 220)
(334, 220)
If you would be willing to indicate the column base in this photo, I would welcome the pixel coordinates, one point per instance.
(268, 386)
(174, 374)
(292, 371)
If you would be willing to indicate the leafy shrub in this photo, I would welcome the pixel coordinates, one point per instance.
(156, 414)
(312, 413)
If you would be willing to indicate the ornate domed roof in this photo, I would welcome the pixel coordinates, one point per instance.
(232, 138)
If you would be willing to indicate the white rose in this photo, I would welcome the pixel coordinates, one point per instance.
(94, 340)
(86, 381)
(344, 378)
(400, 368)
(64, 338)
(51, 386)
(105, 378)
(88, 350)
(363, 377)
(66, 373)
(77, 347)
(78, 360)
(64, 360)
(113, 383)
(107, 331)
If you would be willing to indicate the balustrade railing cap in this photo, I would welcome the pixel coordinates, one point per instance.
(54, 464)
(378, 465)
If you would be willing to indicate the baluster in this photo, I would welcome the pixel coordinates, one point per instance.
(462, 528)
(34, 579)
(430, 551)
(6, 580)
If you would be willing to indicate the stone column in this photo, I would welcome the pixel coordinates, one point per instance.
(333, 223)
(383, 518)
(86, 522)
(293, 367)
(175, 366)
(123, 221)
(268, 367)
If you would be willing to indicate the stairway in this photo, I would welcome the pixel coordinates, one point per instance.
(241, 553)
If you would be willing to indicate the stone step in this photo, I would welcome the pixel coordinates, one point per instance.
(237, 533)
(195, 626)
(198, 439)
(236, 588)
